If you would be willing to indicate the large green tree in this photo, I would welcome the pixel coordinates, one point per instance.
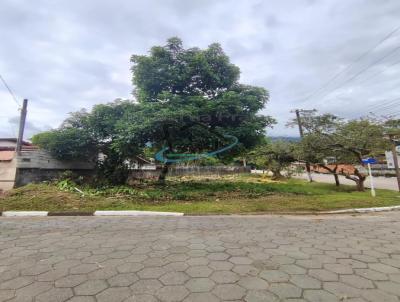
(192, 99)
(187, 100)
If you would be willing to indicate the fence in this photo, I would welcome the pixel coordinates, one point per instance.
(190, 170)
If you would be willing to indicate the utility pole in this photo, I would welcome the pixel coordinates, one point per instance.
(395, 161)
(308, 168)
(21, 126)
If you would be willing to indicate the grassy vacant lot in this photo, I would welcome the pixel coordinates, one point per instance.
(229, 194)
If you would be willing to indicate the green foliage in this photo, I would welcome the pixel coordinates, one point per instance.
(275, 156)
(188, 99)
(67, 143)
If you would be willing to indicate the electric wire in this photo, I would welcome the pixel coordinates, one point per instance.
(349, 66)
(10, 91)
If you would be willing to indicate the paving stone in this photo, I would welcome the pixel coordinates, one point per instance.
(260, 296)
(199, 271)
(338, 268)
(174, 278)
(371, 274)
(306, 282)
(284, 290)
(151, 273)
(149, 286)
(16, 283)
(229, 292)
(357, 281)
(220, 265)
(292, 269)
(6, 294)
(341, 290)
(389, 287)
(26, 293)
(241, 260)
(70, 281)
(141, 298)
(130, 267)
(323, 275)
(84, 268)
(245, 270)
(114, 294)
(253, 283)
(201, 297)
(376, 295)
(224, 277)
(318, 295)
(383, 268)
(197, 285)
(123, 279)
(172, 293)
(274, 276)
(55, 295)
(82, 299)
(90, 287)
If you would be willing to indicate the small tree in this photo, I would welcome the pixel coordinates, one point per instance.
(355, 140)
(315, 149)
(275, 156)
(315, 145)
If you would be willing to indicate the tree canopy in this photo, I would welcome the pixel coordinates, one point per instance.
(189, 100)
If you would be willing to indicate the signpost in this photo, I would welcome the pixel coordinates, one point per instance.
(370, 161)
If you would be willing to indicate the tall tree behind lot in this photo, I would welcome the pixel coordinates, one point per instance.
(192, 99)
(186, 99)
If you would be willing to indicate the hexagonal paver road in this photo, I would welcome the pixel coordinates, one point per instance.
(201, 259)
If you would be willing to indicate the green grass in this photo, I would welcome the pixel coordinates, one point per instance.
(224, 195)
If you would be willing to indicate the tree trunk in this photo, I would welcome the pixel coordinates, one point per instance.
(337, 182)
(276, 174)
(163, 174)
(360, 185)
(332, 171)
(308, 170)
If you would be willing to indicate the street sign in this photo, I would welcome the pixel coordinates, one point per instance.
(369, 160)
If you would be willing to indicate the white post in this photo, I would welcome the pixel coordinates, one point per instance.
(371, 181)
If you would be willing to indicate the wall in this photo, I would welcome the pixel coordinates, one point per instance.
(38, 165)
(7, 174)
(191, 170)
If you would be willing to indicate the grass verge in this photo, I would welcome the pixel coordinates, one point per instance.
(223, 195)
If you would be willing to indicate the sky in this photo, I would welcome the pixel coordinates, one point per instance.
(71, 54)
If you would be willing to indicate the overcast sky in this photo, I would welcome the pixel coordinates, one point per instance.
(71, 54)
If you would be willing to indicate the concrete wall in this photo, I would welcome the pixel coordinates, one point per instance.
(191, 170)
(39, 159)
(38, 165)
(7, 174)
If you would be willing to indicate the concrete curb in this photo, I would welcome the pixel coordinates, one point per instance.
(96, 213)
(365, 210)
(24, 213)
(176, 214)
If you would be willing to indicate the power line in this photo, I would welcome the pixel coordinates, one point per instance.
(10, 91)
(362, 71)
(384, 104)
(349, 66)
